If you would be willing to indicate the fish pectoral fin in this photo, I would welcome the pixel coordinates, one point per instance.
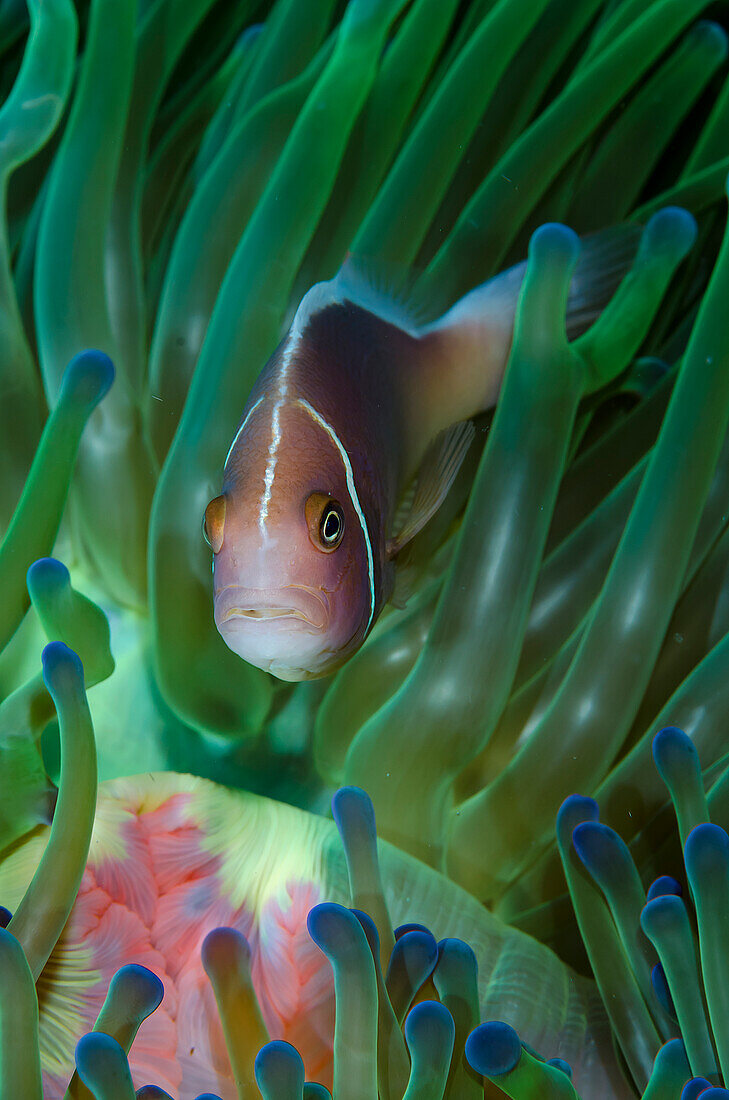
(437, 473)
(406, 584)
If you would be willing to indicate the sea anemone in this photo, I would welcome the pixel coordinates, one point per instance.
(658, 960)
(388, 1038)
(184, 878)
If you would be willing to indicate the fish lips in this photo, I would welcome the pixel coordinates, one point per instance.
(283, 630)
(291, 607)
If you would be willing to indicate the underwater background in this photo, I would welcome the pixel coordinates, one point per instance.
(194, 896)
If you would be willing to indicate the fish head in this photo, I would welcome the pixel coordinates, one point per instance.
(293, 565)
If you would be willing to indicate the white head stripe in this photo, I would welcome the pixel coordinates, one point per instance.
(353, 496)
(270, 465)
(281, 391)
(248, 416)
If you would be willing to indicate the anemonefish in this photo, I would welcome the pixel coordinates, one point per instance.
(358, 403)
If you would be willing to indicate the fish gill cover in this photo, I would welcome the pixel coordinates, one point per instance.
(176, 175)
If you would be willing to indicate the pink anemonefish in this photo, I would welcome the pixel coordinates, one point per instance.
(357, 401)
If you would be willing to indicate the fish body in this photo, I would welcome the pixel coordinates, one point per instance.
(313, 438)
(358, 400)
(174, 856)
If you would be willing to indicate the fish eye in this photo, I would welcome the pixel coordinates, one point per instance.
(213, 522)
(331, 527)
(325, 520)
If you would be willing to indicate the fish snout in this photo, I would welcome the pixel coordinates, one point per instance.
(287, 605)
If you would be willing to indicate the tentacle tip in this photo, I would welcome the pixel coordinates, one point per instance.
(575, 810)
(671, 230)
(660, 914)
(595, 843)
(314, 1091)
(326, 922)
(694, 1088)
(279, 1061)
(403, 929)
(706, 851)
(94, 1052)
(138, 982)
(416, 953)
(88, 377)
(457, 950)
(672, 748)
(561, 1065)
(222, 949)
(673, 1051)
(554, 241)
(47, 573)
(57, 658)
(349, 803)
(664, 884)
(493, 1049)
(428, 1022)
(712, 36)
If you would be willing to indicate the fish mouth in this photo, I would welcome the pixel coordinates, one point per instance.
(263, 613)
(293, 603)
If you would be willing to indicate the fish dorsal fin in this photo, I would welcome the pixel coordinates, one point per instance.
(385, 289)
(371, 285)
(437, 473)
(316, 299)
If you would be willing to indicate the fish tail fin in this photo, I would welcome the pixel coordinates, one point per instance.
(469, 345)
(604, 260)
